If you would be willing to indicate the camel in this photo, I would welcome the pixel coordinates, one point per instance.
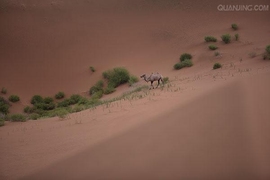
(153, 77)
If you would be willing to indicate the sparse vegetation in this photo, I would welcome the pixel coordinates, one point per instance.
(4, 106)
(234, 26)
(185, 56)
(4, 90)
(210, 39)
(18, 118)
(132, 80)
(217, 65)
(226, 38)
(180, 65)
(236, 37)
(92, 69)
(14, 98)
(212, 47)
(59, 95)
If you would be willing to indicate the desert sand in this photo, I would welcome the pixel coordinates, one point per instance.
(203, 124)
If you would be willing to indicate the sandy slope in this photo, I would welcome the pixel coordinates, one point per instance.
(205, 123)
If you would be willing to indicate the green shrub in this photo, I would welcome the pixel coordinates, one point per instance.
(75, 98)
(210, 39)
(97, 95)
(83, 100)
(186, 63)
(217, 65)
(48, 100)
(132, 80)
(4, 90)
(234, 26)
(165, 80)
(266, 56)
(59, 95)
(177, 66)
(34, 116)
(36, 99)
(29, 109)
(109, 90)
(185, 56)
(18, 118)
(78, 108)
(226, 38)
(236, 37)
(64, 103)
(116, 77)
(14, 98)
(97, 87)
(212, 47)
(2, 122)
(4, 106)
(92, 68)
(267, 49)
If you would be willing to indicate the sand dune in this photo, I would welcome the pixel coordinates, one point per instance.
(205, 124)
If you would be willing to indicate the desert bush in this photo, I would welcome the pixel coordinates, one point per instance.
(75, 98)
(59, 95)
(186, 63)
(14, 98)
(2, 121)
(116, 77)
(18, 118)
(83, 100)
(48, 100)
(78, 108)
(212, 47)
(4, 90)
(96, 88)
(4, 106)
(236, 37)
(92, 69)
(234, 26)
(185, 56)
(267, 49)
(217, 65)
(210, 39)
(29, 109)
(49, 106)
(34, 116)
(97, 95)
(132, 80)
(226, 38)
(109, 90)
(64, 103)
(266, 56)
(36, 99)
(165, 80)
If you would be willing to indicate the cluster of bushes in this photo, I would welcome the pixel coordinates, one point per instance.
(185, 61)
(114, 78)
(46, 107)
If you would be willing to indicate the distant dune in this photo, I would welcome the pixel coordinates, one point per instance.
(204, 124)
